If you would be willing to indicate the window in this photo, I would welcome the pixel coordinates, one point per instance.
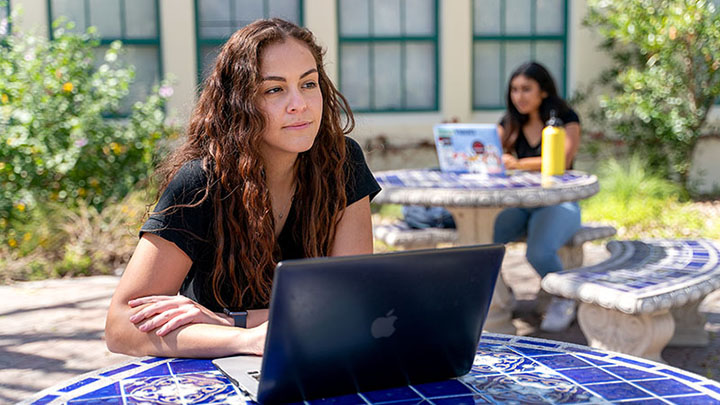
(507, 33)
(218, 19)
(134, 22)
(389, 54)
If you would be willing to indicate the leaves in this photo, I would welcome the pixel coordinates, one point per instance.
(57, 143)
(664, 77)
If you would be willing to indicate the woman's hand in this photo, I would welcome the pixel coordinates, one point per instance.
(509, 161)
(255, 343)
(169, 312)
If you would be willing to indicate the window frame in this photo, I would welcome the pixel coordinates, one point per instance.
(200, 42)
(502, 39)
(403, 39)
(157, 41)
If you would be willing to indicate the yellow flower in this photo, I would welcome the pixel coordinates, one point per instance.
(27, 236)
(4, 98)
(12, 242)
(117, 149)
(93, 182)
(2, 165)
(68, 87)
(20, 207)
(81, 192)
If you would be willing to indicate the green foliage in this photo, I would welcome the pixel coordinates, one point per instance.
(57, 143)
(393, 211)
(642, 204)
(664, 76)
(63, 241)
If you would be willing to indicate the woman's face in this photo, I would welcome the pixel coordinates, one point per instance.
(525, 94)
(290, 97)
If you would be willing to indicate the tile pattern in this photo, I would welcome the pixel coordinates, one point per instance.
(644, 276)
(507, 369)
(433, 187)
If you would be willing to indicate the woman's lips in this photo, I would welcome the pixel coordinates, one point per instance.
(298, 125)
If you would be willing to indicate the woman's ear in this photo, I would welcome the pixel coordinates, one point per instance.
(544, 95)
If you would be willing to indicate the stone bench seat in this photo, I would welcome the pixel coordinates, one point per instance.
(399, 234)
(645, 295)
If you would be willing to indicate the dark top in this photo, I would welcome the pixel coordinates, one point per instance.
(191, 228)
(523, 149)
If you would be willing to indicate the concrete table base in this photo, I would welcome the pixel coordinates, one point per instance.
(475, 226)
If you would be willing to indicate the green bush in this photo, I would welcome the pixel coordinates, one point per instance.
(664, 76)
(642, 204)
(73, 170)
(63, 241)
(61, 140)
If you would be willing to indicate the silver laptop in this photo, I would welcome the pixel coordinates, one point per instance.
(340, 325)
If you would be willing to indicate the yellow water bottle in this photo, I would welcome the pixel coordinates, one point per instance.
(553, 150)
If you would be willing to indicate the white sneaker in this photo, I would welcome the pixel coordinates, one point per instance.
(560, 314)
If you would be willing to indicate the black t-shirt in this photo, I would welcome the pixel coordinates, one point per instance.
(523, 149)
(191, 228)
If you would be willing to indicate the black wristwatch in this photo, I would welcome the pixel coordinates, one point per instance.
(238, 316)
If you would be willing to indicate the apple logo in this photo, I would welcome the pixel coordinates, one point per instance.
(384, 325)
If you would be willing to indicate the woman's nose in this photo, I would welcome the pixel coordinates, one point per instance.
(296, 102)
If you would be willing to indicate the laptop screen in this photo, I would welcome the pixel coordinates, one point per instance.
(469, 148)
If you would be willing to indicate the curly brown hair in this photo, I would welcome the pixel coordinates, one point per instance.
(225, 133)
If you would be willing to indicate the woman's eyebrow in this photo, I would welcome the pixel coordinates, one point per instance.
(282, 79)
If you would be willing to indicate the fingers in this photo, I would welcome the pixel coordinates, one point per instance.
(170, 320)
(159, 320)
(157, 304)
(176, 322)
(153, 298)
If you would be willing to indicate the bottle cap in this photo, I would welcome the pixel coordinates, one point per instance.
(554, 121)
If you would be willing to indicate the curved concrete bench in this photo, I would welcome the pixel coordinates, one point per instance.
(399, 234)
(644, 295)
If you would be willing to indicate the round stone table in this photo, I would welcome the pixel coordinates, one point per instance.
(475, 201)
(507, 369)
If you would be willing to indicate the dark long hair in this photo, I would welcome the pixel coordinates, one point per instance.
(513, 120)
(225, 133)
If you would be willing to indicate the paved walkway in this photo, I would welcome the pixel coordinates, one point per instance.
(53, 330)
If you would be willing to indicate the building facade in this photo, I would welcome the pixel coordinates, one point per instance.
(404, 65)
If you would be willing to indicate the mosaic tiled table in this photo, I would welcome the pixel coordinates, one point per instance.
(507, 369)
(644, 295)
(475, 201)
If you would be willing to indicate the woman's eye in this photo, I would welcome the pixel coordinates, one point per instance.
(273, 90)
(310, 85)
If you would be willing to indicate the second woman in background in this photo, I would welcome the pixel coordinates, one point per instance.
(531, 96)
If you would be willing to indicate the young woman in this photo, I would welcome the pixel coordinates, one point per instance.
(265, 173)
(531, 97)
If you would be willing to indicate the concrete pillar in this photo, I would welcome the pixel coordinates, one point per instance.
(33, 16)
(585, 60)
(177, 39)
(320, 17)
(455, 62)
